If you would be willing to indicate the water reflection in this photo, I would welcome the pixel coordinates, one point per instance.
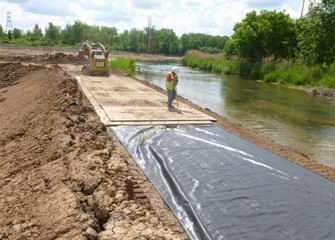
(291, 117)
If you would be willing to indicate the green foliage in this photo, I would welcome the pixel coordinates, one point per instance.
(74, 34)
(165, 42)
(37, 34)
(219, 64)
(316, 34)
(270, 33)
(301, 74)
(9, 35)
(126, 65)
(269, 69)
(52, 32)
(203, 42)
(17, 33)
(137, 41)
(269, 45)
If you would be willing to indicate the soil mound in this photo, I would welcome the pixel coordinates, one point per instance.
(10, 72)
(62, 175)
(57, 58)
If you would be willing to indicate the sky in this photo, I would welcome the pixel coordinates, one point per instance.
(214, 17)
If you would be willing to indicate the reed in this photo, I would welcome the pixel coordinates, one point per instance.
(126, 65)
(269, 69)
(301, 74)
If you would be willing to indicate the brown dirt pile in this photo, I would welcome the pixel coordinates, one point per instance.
(63, 175)
(9, 72)
(57, 58)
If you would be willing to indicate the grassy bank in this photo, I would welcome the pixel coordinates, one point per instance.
(269, 70)
(126, 65)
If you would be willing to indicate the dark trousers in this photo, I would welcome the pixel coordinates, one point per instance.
(171, 96)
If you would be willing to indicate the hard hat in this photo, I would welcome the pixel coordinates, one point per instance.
(175, 69)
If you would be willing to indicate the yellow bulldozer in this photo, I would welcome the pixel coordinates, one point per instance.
(97, 59)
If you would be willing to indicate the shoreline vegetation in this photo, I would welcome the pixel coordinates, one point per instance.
(123, 64)
(317, 80)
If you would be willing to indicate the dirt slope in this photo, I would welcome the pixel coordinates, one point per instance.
(63, 176)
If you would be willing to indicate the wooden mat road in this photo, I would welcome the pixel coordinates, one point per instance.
(121, 100)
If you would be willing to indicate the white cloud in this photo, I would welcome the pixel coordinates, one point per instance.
(215, 17)
(99, 2)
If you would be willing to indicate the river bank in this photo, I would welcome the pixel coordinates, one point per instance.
(72, 178)
(316, 80)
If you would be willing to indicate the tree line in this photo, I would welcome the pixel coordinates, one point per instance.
(269, 34)
(272, 47)
(150, 40)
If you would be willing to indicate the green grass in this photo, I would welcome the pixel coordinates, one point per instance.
(217, 63)
(126, 65)
(269, 70)
(300, 74)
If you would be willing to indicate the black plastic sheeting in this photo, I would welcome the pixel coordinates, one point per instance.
(221, 186)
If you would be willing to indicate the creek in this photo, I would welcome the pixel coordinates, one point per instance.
(291, 117)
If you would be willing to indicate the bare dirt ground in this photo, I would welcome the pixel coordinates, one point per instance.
(64, 175)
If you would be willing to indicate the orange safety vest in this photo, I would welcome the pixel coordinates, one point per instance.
(172, 84)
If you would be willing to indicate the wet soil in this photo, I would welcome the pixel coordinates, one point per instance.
(64, 175)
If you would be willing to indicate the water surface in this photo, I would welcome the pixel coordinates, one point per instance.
(290, 117)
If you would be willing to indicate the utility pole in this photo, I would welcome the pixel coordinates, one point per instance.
(9, 26)
(302, 9)
(149, 34)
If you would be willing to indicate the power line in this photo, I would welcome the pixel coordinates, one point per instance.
(9, 26)
(302, 9)
(149, 35)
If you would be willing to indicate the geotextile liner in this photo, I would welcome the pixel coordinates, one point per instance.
(221, 186)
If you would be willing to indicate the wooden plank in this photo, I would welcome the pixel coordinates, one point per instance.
(123, 100)
(97, 107)
(159, 123)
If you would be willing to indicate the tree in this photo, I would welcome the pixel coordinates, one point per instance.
(316, 33)
(165, 41)
(36, 34)
(108, 35)
(17, 33)
(137, 40)
(269, 34)
(76, 33)
(203, 42)
(1, 31)
(9, 35)
(124, 41)
(52, 32)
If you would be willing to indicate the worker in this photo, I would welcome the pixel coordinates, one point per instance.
(171, 85)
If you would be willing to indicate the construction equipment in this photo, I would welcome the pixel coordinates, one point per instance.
(97, 58)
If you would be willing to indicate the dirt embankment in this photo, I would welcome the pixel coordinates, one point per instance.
(63, 174)
(58, 58)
